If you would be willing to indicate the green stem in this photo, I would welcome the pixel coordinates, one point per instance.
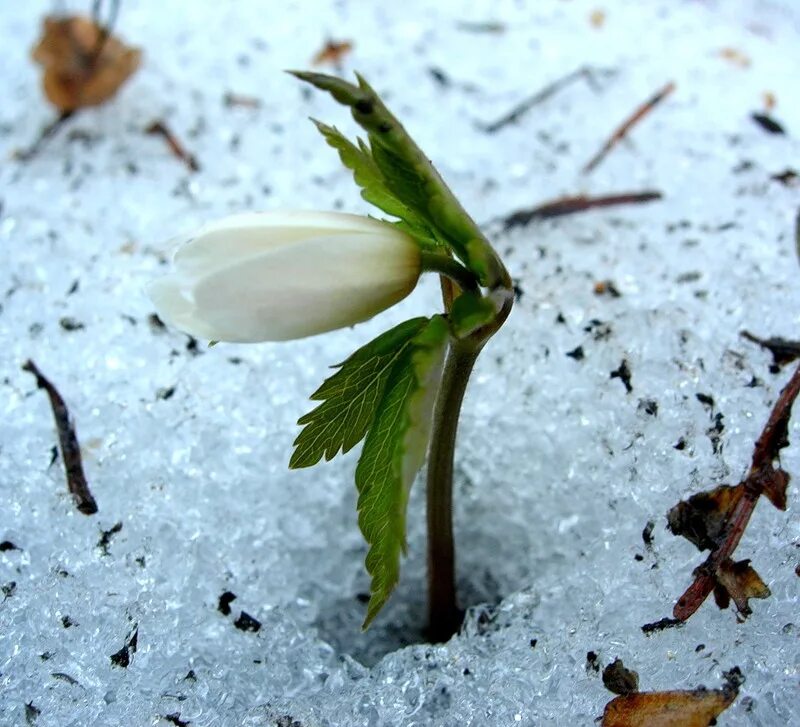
(444, 616)
(433, 262)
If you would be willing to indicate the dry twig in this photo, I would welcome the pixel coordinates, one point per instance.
(159, 128)
(231, 99)
(725, 513)
(579, 203)
(542, 95)
(622, 131)
(68, 440)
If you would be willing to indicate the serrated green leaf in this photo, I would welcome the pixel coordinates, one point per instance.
(374, 189)
(366, 173)
(393, 453)
(410, 176)
(350, 397)
(402, 177)
(469, 312)
(421, 233)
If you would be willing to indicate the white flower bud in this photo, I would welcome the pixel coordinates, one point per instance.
(283, 275)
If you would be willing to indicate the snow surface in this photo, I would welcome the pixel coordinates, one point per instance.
(559, 469)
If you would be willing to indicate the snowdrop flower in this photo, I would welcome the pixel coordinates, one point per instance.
(283, 275)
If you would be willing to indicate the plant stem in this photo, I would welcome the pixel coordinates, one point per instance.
(444, 616)
(433, 262)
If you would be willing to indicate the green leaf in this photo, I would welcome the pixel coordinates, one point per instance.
(350, 397)
(374, 190)
(366, 173)
(471, 311)
(393, 452)
(402, 178)
(421, 233)
(410, 176)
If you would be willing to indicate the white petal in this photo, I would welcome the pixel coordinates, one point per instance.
(311, 287)
(172, 298)
(240, 237)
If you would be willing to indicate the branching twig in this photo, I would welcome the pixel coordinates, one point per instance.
(159, 128)
(627, 125)
(762, 479)
(578, 203)
(70, 449)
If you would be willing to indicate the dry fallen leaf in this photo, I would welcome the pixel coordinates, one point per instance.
(735, 57)
(696, 708)
(618, 679)
(597, 18)
(716, 520)
(739, 582)
(332, 52)
(703, 518)
(83, 64)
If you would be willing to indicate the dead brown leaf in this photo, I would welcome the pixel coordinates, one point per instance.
(332, 52)
(735, 57)
(597, 18)
(620, 680)
(83, 64)
(716, 520)
(702, 519)
(606, 287)
(695, 708)
(775, 488)
(739, 582)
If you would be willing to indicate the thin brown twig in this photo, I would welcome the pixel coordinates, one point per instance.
(762, 475)
(578, 203)
(105, 29)
(231, 99)
(622, 131)
(47, 132)
(159, 128)
(542, 95)
(68, 440)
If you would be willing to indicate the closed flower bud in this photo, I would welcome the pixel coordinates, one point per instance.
(283, 275)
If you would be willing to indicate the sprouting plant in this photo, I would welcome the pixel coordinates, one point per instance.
(278, 276)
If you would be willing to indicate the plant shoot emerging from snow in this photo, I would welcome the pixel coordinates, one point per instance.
(278, 276)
